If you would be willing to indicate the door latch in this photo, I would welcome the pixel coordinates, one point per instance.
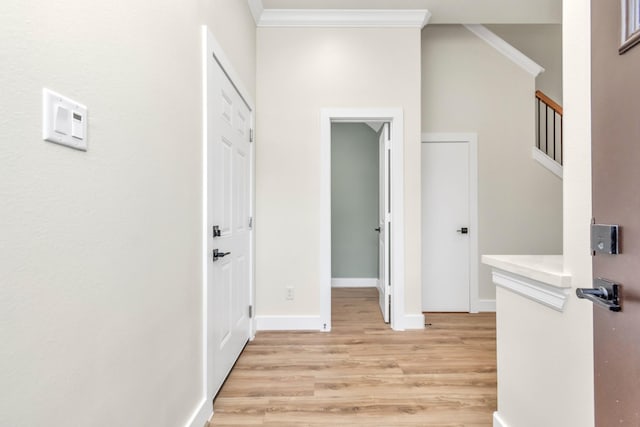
(216, 231)
(605, 239)
(463, 230)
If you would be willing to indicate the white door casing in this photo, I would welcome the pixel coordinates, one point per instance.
(228, 204)
(384, 218)
(449, 203)
(396, 242)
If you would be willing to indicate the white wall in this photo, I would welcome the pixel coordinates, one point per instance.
(543, 44)
(301, 71)
(100, 252)
(468, 86)
(547, 379)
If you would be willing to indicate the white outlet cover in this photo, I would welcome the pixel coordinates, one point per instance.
(64, 121)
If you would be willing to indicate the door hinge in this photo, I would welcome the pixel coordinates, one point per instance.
(250, 135)
(250, 223)
(250, 312)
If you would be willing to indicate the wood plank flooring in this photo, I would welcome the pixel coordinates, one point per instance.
(364, 374)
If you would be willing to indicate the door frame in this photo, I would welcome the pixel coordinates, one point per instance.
(359, 115)
(472, 140)
(210, 46)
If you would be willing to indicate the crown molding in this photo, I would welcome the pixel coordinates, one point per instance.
(505, 49)
(257, 8)
(392, 18)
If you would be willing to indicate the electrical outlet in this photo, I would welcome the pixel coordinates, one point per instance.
(290, 293)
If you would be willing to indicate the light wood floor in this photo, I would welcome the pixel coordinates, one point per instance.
(362, 373)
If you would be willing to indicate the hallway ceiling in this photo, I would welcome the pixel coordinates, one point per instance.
(448, 11)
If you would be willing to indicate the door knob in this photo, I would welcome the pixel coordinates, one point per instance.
(605, 294)
(377, 229)
(217, 254)
(463, 230)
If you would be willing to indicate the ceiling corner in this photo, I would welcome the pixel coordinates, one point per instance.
(257, 8)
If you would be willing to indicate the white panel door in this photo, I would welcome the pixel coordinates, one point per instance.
(384, 290)
(445, 218)
(228, 208)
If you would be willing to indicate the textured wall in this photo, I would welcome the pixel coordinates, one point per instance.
(100, 252)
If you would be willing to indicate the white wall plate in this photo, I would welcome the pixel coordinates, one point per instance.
(64, 121)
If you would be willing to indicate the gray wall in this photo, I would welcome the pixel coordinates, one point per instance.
(468, 86)
(354, 200)
(543, 44)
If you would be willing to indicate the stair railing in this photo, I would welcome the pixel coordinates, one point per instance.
(549, 126)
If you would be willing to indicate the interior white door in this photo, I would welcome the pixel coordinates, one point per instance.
(384, 284)
(445, 226)
(228, 209)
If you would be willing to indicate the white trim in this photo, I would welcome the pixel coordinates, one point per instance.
(519, 58)
(354, 282)
(290, 323)
(546, 161)
(629, 27)
(359, 18)
(474, 254)
(360, 115)
(257, 8)
(414, 321)
(205, 34)
(548, 295)
(498, 421)
(487, 306)
(201, 415)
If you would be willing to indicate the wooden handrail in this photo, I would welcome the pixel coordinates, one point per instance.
(550, 102)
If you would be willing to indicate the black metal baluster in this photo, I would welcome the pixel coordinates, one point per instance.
(554, 135)
(546, 129)
(539, 124)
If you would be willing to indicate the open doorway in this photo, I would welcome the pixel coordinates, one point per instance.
(359, 208)
(377, 256)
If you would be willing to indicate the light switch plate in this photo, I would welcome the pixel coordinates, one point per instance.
(64, 121)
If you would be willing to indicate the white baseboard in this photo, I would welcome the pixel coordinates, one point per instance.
(487, 305)
(414, 321)
(289, 323)
(201, 416)
(498, 421)
(354, 282)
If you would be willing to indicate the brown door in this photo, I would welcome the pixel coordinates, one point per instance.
(616, 200)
